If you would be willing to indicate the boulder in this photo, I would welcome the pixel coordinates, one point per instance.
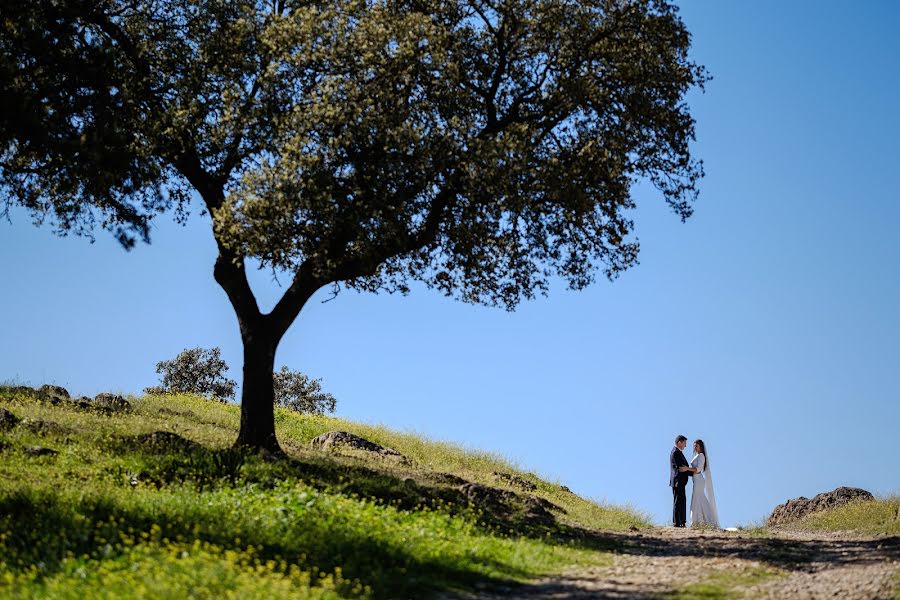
(515, 481)
(7, 420)
(111, 403)
(482, 495)
(165, 441)
(335, 440)
(502, 503)
(54, 393)
(176, 413)
(537, 511)
(545, 504)
(39, 451)
(41, 427)
(796, 509)
(447, 479)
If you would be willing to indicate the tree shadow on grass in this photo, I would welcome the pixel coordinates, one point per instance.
(779, 552)
(43, 529)
(170, 459)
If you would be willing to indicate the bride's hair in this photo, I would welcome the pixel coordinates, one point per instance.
(703, 452)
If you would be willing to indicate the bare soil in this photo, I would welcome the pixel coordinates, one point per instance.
(662, 562)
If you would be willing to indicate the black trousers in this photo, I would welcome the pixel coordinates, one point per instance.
(679, 508)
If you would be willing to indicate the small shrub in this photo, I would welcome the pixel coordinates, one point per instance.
(298, 392)
(195, 371)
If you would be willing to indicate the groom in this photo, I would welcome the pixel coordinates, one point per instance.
(678, 481)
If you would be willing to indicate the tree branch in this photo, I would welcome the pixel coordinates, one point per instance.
(367, 265)
(231, 155)
(303, 286)
(231, 274)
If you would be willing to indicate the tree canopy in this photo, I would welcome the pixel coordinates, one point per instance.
(481, 147)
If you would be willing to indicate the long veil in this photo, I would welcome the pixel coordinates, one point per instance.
(711, 496)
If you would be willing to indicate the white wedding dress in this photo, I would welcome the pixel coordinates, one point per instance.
(703, 497)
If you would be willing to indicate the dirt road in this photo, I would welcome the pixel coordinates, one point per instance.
(677, 563)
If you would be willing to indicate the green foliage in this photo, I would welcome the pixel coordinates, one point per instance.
(195, 371)
(112, 516)
(202, 372)
(481, 148)
(879, 516)
(298, 392)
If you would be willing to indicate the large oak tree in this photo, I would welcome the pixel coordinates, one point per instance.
(482, 147)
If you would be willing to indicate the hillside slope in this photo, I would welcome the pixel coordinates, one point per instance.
(151, 501)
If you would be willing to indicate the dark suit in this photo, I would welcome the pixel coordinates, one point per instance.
(678, 482)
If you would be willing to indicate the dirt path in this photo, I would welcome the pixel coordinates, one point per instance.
(664, 561)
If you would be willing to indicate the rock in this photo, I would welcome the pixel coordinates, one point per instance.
(8, 420)
(565, 489)
(537, 513)
(334, 440)
(546, 504)
(46, 427)
(176, 413)
(447, 478)
(484, 494)
(166, 440)
(515, 480)
(796, 509)
(504, 503)
(54, 392)
(111, 402)
(39, 451)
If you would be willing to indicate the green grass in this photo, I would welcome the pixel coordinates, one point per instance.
(725, 585)
(109, 517)
(879, 516)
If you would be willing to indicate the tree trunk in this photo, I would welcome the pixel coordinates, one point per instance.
(258, 393)
(260, 334)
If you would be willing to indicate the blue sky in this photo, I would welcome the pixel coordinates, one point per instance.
(767, 324)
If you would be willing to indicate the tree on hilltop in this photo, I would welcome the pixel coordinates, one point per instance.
(195, 371)
(478, 146)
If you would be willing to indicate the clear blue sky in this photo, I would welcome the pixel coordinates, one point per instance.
(768, 324)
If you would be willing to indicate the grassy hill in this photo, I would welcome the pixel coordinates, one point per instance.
(153, 503)
(874, 517)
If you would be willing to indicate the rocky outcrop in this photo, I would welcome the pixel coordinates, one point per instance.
(447, 479)
(796, 509)
(164, 441)
(41, 427)
(54, 393)
(103, 403)
(336, 440)
(515, 481)
(535, 510)
(39, 451)
(111, 403)
(7, 420)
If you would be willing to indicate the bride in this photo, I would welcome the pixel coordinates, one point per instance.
(703, 498)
